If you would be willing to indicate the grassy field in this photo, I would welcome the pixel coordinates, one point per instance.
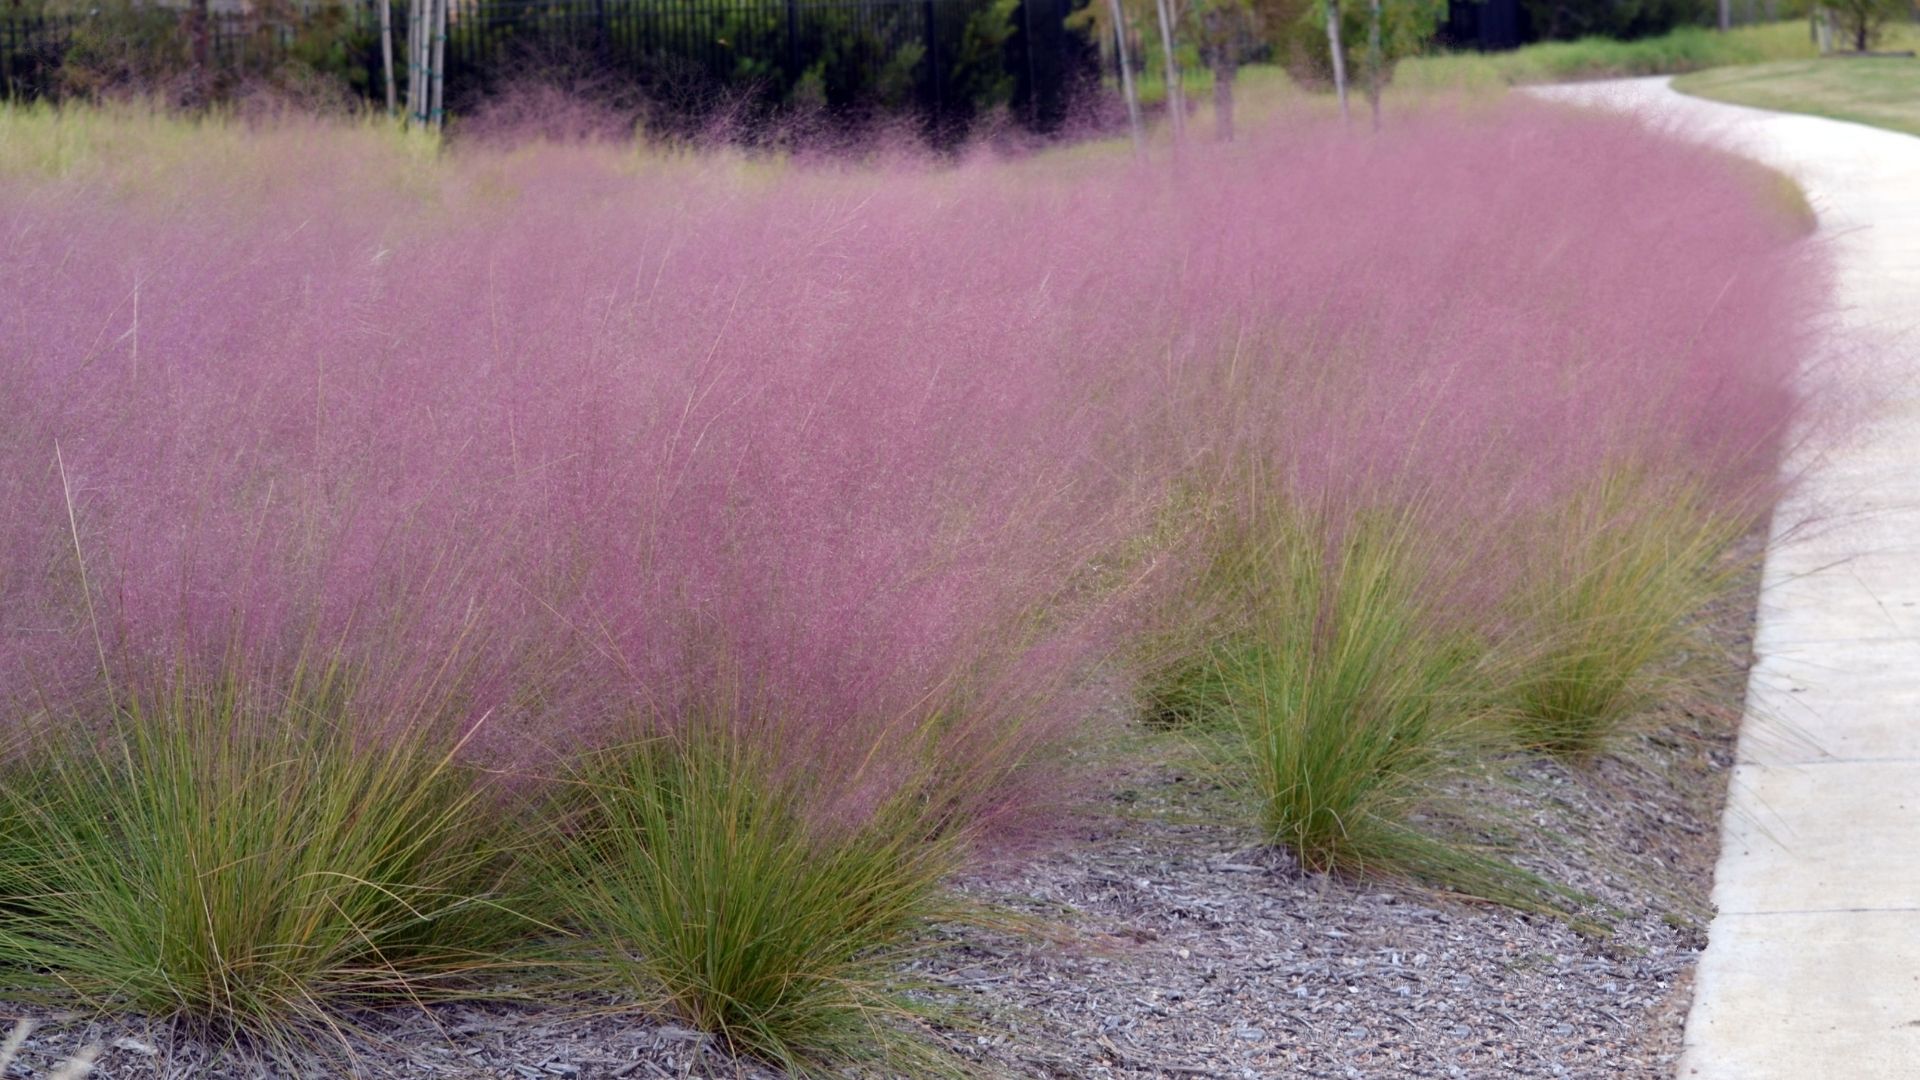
(1686, 49)
(1881, 91)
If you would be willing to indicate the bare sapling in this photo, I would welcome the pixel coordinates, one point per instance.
(1126, 76)
(386, 50)
(438, 100)
(1223, 26)
(1176, 101)
(416, 61)
(1375, 61)
(1339, 58)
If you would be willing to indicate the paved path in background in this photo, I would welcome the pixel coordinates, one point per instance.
(1812, 967)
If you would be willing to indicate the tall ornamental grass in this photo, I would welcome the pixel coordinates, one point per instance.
(699, 880)
(1626, 562)
(263, 866)
(1349, 690)
(782, 527)
(1534, 583)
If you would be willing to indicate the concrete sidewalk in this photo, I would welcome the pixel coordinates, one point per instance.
(1812, 968)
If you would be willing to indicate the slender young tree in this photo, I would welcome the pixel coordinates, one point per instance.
(1224, 28)
(200, 21)
(1126, 76)
(416, 62)
(386, 49)
(1339, 58)
(1176, 100)
(1225, 60)
(438, 98)
(1376, 61)
(1864, 21)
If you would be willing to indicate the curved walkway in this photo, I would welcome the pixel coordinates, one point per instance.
(1812, 968)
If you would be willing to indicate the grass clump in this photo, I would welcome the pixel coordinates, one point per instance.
(703, 880)
(1347, 698)
(1338, 692)
(1631, 558)
(257, 862)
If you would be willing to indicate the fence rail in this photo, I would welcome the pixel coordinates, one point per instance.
(948, 57)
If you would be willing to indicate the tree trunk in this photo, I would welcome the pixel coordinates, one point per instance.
(416, 62)
(200, 22)
(1126, 77)
(1339, 58)
(1176, 101)
(438, 98)
(1224, 70)
(1375, 62)
(1726, 15)
(386, 49)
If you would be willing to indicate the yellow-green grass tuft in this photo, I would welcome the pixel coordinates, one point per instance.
(1628, 560)
(259, 862)
(701, 879)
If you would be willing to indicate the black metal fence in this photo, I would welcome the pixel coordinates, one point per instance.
(949, 58)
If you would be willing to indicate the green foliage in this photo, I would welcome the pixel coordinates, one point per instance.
(1406, 28)
(864, 70)
(1688, 48)
(1565, 20)
(323, 42)
(1328, 679)
(257, 860)
(700, 881)
(1344, 696)
(1864, 23)
(1627, 562)
(980, 74)
(853, 56)
(122, 48)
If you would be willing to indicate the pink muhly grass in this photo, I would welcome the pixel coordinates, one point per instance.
(877, 467)
(607, 440)
(840, 426)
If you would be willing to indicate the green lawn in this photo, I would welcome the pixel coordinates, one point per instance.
(1882, 91)
(1690, 48)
